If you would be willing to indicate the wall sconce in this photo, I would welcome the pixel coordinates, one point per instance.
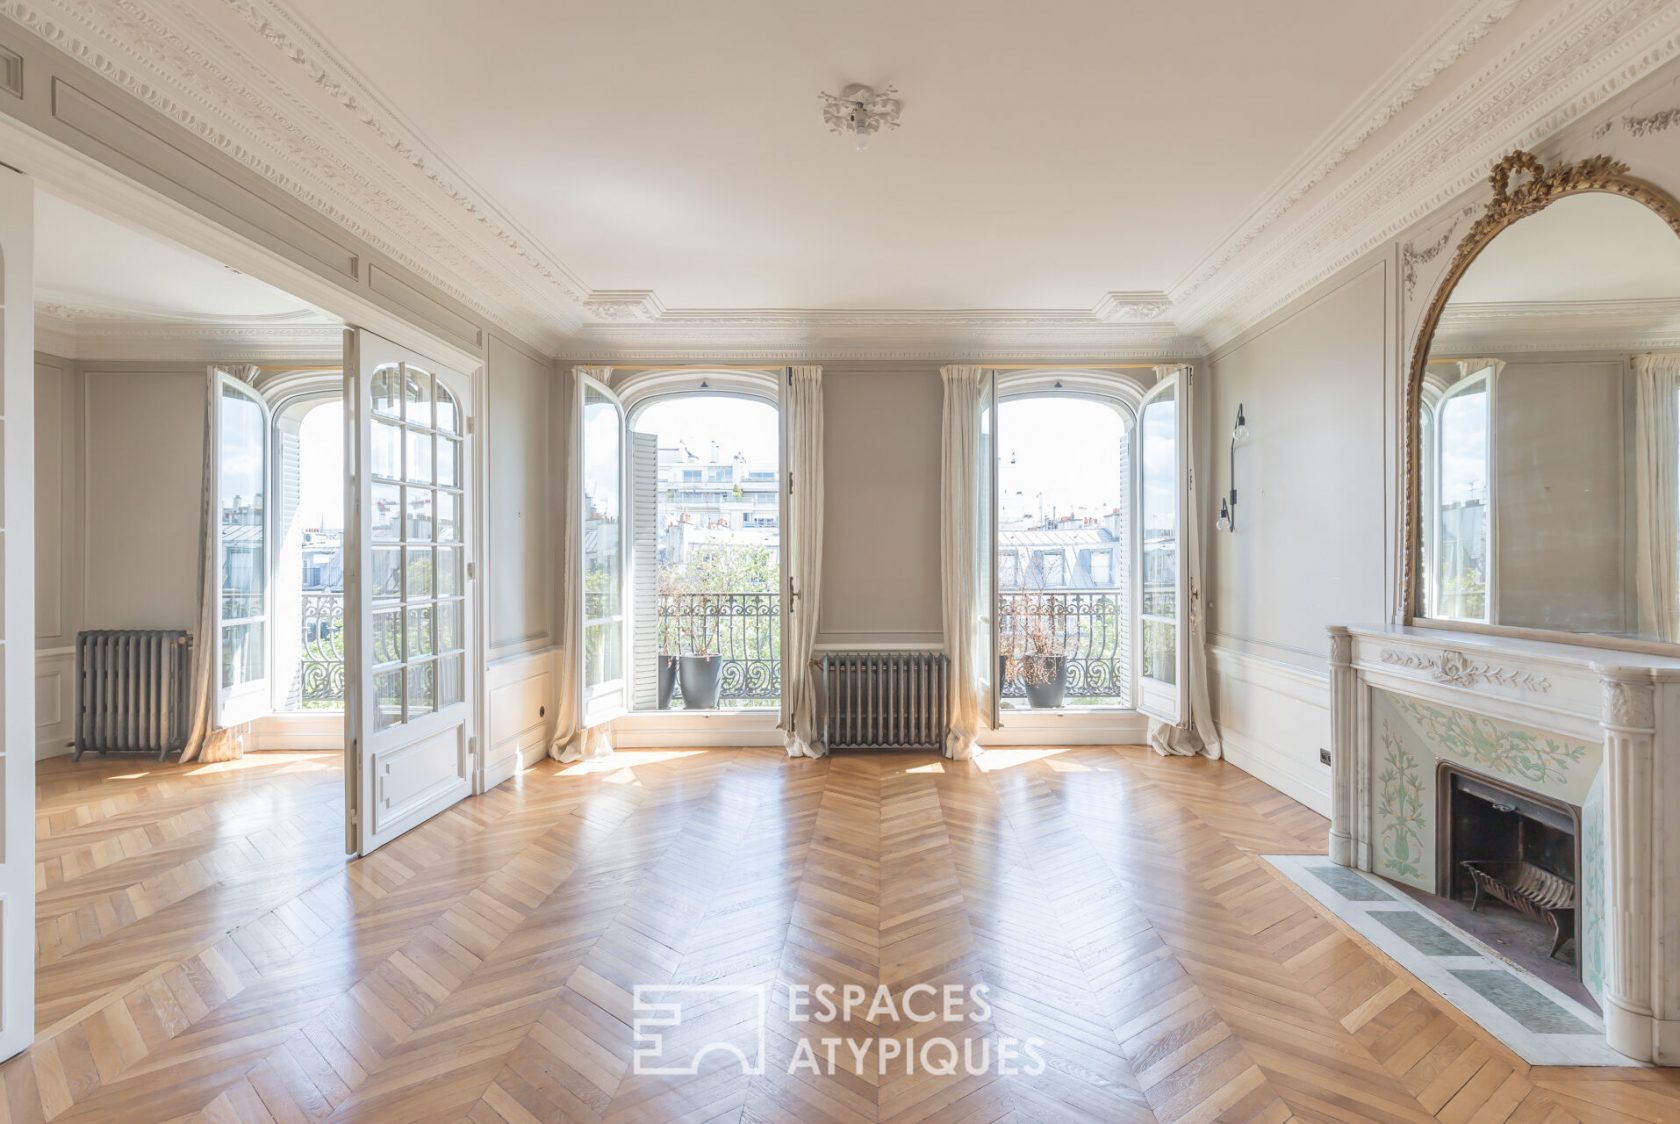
(1228, 504)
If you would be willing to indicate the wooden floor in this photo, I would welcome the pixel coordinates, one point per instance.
(206, 953)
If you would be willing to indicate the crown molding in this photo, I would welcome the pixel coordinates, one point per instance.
(1580, 55)
(1499, 328)
(105, 331)
(253, 79)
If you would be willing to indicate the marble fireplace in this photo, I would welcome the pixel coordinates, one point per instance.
(1588, 742)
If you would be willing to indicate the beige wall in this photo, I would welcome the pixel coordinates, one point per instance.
(520, 574)
(881, 578)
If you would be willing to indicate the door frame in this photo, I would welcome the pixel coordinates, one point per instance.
(1158, 700)
(586, 719)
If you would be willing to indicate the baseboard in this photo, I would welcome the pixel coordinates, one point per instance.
(1273, 719)
(677, 729)
(297, 731)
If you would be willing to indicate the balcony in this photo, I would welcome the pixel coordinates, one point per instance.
(321, 667)
(1091, 629)
(745, 629)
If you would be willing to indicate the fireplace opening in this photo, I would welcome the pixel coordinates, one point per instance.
(1513, 854)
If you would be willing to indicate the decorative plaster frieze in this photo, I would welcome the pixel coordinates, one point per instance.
(1575, 59)
(1117, 308)
(627, 305)
(1461, 671)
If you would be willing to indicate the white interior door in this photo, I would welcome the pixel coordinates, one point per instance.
(410, 695)
(17, 603)
(604, 551)
(1162, 483)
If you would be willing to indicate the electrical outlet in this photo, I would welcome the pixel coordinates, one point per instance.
(1324, 757)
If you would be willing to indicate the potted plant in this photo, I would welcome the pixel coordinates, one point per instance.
(1036, 649)
(699, 667)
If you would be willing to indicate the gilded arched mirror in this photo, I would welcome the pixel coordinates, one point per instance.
(1543, 452)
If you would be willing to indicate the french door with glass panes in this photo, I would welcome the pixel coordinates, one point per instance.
(1162, 475)
(240, 429)
(604, 686)
(410, 702)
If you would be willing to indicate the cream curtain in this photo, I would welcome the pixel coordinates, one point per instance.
(206, 740)
(1656, 494)
(800, 707)
(1196, 731)
(959, 556)
(571, 741)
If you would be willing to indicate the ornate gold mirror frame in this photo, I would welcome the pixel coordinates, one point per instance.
(1510, 203)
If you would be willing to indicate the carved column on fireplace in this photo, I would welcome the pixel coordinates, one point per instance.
(1629, 720)
(1344, 760)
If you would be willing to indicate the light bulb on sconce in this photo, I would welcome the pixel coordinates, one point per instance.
(1228, 503)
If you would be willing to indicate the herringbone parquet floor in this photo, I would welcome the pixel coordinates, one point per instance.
(206, 953)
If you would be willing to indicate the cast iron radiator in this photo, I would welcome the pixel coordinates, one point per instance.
(883, 700)
(135, 690)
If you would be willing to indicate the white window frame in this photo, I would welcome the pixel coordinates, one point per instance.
(1432, 551)
(250, 699)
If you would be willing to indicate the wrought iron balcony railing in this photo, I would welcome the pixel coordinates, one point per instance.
(745, 629)
(1091, 630)
(321, 669)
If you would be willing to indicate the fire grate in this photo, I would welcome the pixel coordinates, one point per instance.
(1532, 891)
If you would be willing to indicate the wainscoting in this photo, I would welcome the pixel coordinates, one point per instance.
(1273, 718)
(521, 690)
(55, 701)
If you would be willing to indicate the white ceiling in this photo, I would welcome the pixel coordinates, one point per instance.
(1049, 152)
(88, 266)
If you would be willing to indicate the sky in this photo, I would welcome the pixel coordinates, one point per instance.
(738, 425)
(1057, 455)
(321, 489)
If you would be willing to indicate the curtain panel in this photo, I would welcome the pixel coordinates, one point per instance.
(571, 741)
(207, 739)
(801, 709)
(1657, 494)
(1195, 732)
(960, 534)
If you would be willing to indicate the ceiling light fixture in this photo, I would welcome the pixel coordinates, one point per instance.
(860, 111)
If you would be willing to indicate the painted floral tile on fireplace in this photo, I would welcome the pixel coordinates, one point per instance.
(1411, 736)
(1535, 1020)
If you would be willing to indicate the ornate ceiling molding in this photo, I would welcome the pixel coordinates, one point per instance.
(1575, 326)
(76, 331)
(255, 81)
(1572, 61)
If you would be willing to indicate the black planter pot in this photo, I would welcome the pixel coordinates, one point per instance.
(667, 680)
(701, 678)
(1051, 686)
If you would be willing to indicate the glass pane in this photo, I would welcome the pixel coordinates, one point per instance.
(449, 626)
(419, 514)
(448, 527)
(1159, 428)
(448, 571)
(1461, 543)
(422, 690)
(452, 680)
(448, 415)
(603, 563)
(387, 698)
(419, 572)
(420, 640)
(385, 397)
(386, 644)
(448, 462)
(386, 517)
(242, 653)
(603, 659)
(386, 457)
(419, 457)
(241, 472)
(386, 580)
(1160, 652)
(417, 396)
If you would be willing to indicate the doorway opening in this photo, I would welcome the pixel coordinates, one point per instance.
(309, 562)
(706, 565)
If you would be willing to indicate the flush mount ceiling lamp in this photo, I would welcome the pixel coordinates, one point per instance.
(861, 111)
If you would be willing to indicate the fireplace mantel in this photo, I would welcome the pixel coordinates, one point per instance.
(1627, 702)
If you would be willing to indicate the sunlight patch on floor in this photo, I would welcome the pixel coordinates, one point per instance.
(997, 760)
